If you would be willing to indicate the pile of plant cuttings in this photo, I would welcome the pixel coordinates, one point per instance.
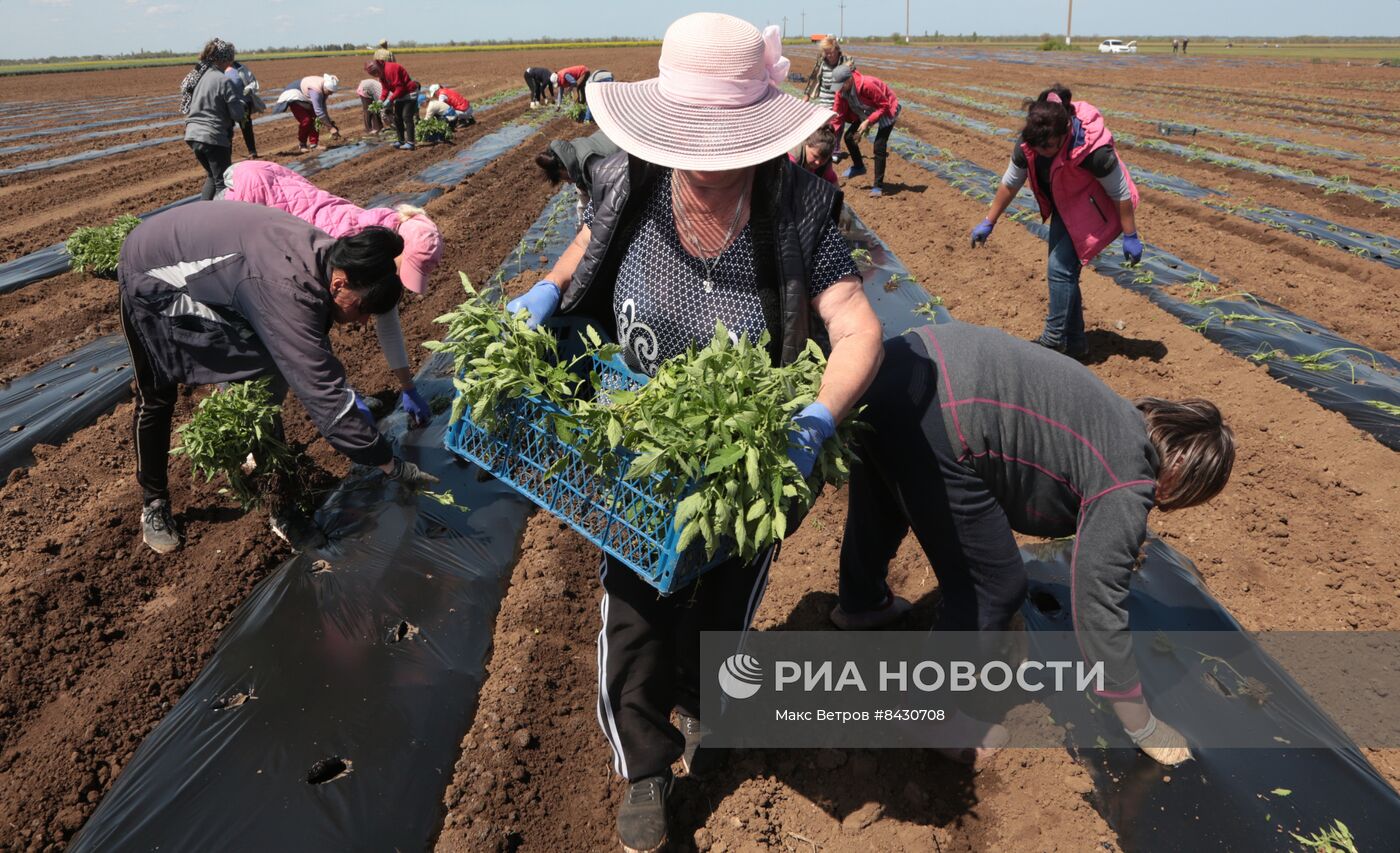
(711, 429)
(434, 129)
(96, 249)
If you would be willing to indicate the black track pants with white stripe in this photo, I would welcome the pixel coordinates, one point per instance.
(649, 655)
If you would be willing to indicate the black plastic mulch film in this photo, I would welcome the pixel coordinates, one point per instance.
(49, 404)
(53, 260)
(330, 714)
(1223, 799)
(1359, 242)
(1339, 374)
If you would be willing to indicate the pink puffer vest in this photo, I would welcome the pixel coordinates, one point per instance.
(271, 185)
(1090, 216)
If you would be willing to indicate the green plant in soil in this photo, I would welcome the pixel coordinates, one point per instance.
(97, 249)
(861, 256)
(1144, 277)
(1199, 286)
(712, 430)
(1332, 839)
(498, 358)
(1389, 408)
(227, 427)
(433, 128)
(925, 309)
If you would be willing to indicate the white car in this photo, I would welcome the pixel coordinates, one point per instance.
(1116, 46)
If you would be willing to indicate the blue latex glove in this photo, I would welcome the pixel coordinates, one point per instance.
(363, 407)
(981, 232)
(416, 407)
(1132, 248)
(541, 301)
(810, 430)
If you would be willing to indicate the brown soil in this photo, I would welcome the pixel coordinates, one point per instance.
(100, 636)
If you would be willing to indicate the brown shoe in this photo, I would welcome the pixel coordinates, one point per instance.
(883, 616)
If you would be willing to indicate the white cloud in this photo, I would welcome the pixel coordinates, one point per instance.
(52, 2)
(375, 10)
(163, 9)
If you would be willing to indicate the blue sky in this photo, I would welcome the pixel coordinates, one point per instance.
(36, 28)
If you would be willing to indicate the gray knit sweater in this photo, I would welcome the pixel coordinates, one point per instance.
(1064, 456)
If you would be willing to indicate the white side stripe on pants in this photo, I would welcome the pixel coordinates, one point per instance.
(605, 711)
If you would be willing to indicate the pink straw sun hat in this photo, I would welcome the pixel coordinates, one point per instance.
(716, 104)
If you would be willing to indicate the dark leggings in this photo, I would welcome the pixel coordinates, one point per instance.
(880, 145)
(155, 407)
(405, 116)
(215, 159)
(248, 139)
(537, 87)
(374, 122)
(910, 476)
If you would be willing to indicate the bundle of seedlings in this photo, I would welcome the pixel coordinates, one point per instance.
(497, 358)
(96, 250)
(710, 432)
(236, 433)
(434, 129)
(375, 107)
(712, 429)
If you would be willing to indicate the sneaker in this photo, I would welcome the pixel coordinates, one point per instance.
(838, 156)
(297, 530)
(695, 732)
(876, 192)
(641, 822)
(889, 611)
(158, 527)
(1078, 353)
(407, 146)
(853, 172)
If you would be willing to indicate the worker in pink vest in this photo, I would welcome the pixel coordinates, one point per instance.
(1084, 191)
(271, 185)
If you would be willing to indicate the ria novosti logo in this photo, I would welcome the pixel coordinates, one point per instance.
(740, 676)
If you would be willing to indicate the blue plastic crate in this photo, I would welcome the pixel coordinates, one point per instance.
(626, 518)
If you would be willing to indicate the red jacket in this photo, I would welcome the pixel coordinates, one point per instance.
(873, 93)
(574, 71)
(395, 79)
(453, 99)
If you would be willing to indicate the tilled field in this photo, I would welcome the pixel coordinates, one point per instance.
(100, 636)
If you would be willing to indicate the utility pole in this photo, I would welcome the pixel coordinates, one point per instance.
(1069, 23)
(804, 22)
(906, 21)
(842, 35)
(785, 26)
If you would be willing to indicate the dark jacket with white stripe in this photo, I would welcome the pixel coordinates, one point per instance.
(220, 291)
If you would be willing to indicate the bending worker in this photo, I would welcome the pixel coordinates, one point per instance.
(1083, 190)
(221, 292)
(982, 436)
(277, 186)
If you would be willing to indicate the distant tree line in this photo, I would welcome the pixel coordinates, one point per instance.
(314, 48)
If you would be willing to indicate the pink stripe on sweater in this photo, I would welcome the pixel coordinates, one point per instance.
(1046, 471)
(1081, 439)
(947, 381)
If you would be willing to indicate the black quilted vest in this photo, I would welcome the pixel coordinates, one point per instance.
(789, 211)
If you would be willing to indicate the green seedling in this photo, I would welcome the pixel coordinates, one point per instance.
(1144, 277)
(711, 430)
(1333, 839)
(1236, 317)
(227, 427)
(375, 108)
(1389, 408)
(97, 249)
(925, 309)
(498, 358)
(1199, 286)
(861, 256)
(432, 129)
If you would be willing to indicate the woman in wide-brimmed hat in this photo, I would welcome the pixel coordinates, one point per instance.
(702, 217)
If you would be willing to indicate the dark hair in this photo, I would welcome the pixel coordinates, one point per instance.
(367, 257)
(554, 170)
(1047, 119)
(1195, 449)
(823, 139)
